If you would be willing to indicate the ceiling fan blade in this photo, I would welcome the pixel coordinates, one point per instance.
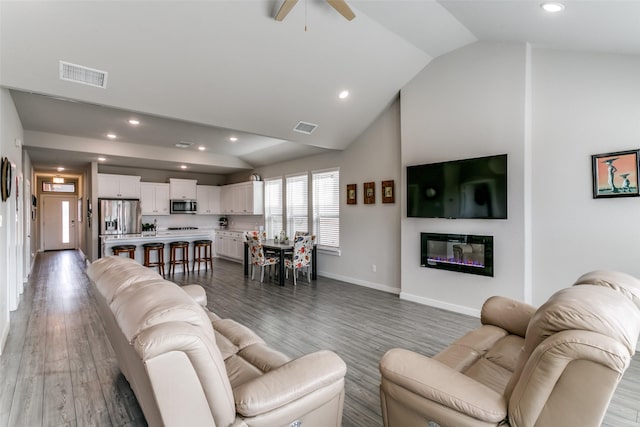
(285, 9)
(343, 8)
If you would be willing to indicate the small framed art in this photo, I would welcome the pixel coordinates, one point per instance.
(352, 194)
(615, 174)
(388, 193)
(369, 193)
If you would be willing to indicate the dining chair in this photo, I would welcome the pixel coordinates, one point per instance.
(289, 253)
(302, 248)
(256, 252)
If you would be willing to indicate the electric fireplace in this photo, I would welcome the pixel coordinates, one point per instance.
(463, 253)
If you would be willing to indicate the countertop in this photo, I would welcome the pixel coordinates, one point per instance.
(161, 235)
(233, 230)
(169, 234)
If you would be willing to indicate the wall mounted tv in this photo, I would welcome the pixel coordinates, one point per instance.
(470, 188)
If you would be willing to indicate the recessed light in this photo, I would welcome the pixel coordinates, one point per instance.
(233, 139)
(552, 7)
(60, 169)
(344, 94)
(202, 148)
(112, 135)
(134, 122)
(183, 166)
(101, 159)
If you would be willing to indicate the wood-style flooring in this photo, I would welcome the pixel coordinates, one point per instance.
(58, 369)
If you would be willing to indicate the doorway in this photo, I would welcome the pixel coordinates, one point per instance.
(58, 222)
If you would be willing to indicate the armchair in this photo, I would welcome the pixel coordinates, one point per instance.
(557, 365)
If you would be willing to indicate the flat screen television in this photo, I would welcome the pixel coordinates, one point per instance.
(469, 188)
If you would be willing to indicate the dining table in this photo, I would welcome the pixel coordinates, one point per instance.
(281, 248)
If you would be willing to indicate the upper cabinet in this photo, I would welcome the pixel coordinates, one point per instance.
(246, 198)
(154, 198)
(208, 197)
(118, 186)
(182, 189)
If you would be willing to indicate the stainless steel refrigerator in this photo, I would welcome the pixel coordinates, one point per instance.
(120, 216)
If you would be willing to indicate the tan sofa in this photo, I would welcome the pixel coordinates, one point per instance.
(555, 366)
(188, 367)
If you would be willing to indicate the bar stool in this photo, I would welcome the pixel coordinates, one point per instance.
(128, 249)
(200, 246)
(184, 260)
(159, 248)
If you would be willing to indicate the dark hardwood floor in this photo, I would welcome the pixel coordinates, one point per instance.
(58, 369)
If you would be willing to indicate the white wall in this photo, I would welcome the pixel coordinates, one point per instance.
(30, 229)
(369, 234)
(10, 242)
(550, 110)
(583, 104)
(469, 103)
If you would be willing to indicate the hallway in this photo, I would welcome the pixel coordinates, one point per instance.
(58, 369)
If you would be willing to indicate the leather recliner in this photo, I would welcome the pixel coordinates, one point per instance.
(558, 365)
(188, 367)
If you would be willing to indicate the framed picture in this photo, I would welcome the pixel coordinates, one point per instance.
(352, 194)
(388, 194)
(369, 193)
(5, 179)
(615, 174)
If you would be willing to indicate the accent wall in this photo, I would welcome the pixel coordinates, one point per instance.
(549, 110)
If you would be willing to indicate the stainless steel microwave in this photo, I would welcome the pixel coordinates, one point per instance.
(184, 206)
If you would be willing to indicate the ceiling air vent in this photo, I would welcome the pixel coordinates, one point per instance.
(184, 144)
(304, 127)
(85, 75)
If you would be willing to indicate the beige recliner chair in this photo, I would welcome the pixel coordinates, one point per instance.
(555, 366)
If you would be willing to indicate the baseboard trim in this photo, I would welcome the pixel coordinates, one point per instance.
(440, 304)
(366, 284)
(3, 337)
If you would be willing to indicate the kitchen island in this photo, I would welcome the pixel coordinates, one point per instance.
(107, 242)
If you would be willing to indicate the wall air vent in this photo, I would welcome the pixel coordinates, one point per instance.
(85, 75)
(304, 127)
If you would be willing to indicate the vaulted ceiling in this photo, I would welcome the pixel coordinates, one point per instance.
(204, 71)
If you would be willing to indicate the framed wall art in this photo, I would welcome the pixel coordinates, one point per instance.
(369, 193)
(352, 194)
(5, 179)
(388, 192)
(615, 174)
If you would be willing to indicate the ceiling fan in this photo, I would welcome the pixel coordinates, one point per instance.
(339, 5)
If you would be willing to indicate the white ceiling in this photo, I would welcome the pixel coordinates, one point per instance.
(202, 71)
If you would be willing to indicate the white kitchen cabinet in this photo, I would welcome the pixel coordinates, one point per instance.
(154, 198)
(208, 197)
(246, 198)
(230, 244)
(182, 189)
(118, 186)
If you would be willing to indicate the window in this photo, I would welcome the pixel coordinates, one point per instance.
(293, 214)
(273, 207)
(51, 187)
(297, 204)
(65, 221)
(326, 208)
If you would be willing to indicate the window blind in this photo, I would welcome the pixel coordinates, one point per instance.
(326, 208)
(297, 204)
(273, 208)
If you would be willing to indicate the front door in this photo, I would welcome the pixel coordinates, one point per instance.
(58, 223)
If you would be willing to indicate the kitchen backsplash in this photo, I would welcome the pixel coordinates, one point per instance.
(240, 222)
